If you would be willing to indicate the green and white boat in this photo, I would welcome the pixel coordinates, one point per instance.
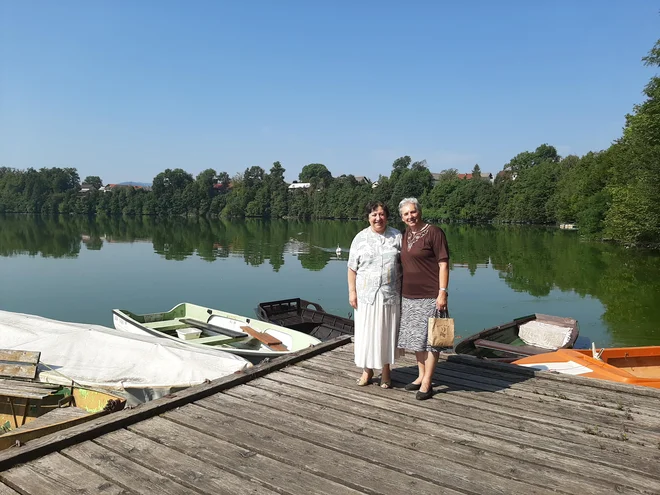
(199, 326)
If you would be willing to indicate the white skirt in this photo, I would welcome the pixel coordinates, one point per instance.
(376, 329)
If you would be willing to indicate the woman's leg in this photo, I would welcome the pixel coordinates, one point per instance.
(429, 368)
(420, 356)
(385, 373)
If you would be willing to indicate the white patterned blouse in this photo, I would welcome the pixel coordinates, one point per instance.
(375, 259)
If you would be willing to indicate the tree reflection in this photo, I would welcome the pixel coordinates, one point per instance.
(528, 259)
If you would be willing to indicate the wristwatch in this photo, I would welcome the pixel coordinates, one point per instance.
(444, 289)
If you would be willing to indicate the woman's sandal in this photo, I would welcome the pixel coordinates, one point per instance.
(386, 384)
(361, 382)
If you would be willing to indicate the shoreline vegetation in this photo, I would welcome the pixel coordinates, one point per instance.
(610, 194)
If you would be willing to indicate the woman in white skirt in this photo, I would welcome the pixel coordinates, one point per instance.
(374, 292)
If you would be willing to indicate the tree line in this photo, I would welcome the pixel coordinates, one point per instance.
(609, 194)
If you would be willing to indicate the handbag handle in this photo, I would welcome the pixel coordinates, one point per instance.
(437, 313)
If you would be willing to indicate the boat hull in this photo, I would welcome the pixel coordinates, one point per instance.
(165, 325)
(306, 317)
(67, 409)
(631, 365)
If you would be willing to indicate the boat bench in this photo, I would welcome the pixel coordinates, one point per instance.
(158, 325)
(268, 340)
(213, 328)
(18, 369)
(519, 350)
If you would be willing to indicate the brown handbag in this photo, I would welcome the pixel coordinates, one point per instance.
(441, 329)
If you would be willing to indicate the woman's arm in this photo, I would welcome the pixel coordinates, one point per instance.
(352, 293)
(443, 277)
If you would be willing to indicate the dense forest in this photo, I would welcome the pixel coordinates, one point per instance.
(611, 194)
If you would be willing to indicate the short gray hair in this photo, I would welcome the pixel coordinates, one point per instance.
(410, 201)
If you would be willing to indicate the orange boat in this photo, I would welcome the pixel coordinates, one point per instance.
(632, 365)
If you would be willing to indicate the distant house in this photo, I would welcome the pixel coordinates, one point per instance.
(374, 185)
(300, 185)
(86, 188)
(361, 179)
(484, 176)
(219, 185)
(116, 187)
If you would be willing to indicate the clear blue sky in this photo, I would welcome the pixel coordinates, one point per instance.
(126, 89)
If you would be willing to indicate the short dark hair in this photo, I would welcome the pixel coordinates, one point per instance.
(374, 205)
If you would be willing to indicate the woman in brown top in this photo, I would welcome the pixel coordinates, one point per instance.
(425, 262)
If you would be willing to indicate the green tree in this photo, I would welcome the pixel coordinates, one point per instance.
(94, 180)
(315, 173)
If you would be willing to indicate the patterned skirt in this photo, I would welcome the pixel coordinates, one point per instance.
(413, 332)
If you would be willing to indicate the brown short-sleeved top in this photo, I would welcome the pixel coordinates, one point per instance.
(420, 262)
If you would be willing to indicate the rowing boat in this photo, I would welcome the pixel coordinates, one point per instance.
(631, 365)
(199, 326)
(305, 316)
(525, 336)
(31, 409)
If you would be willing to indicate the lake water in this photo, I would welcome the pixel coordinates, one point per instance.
(79, 269)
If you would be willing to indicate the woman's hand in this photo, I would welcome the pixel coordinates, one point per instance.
(352, 298)
(441, 301)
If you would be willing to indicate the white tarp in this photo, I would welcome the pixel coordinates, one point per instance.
(143, 367)
(565, 367)
(544, 335)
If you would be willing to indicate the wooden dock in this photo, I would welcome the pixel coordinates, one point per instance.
(300, 425)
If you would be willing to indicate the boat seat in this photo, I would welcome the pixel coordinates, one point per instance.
(268, 340)
(519, 350)
(18, 369)
(159, 325)
(213, 328)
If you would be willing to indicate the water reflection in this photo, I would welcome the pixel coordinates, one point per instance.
(529, 260)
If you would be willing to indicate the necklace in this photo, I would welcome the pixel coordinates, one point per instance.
(413, 237)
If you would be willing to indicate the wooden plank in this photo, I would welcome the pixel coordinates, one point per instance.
(51, 422)
(268, 340)
(57, 415)
(8, 382)
(355, 473)
(617, 403)
(516, 350)
(404, 458)
(193, 441)
(558, 404)
(27, 371)
(557, 377)
(550, 404)
(578, 392)
(54, 474)
(5, 490)
(528, 434)
(24, 392)
(125, 472)
(574, 429)
(27, 357)
(127, 417)
(182, 469)
(479, 451)
(522, 371)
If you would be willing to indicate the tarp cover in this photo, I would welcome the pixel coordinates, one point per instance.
(141, 368)
(544, 335)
